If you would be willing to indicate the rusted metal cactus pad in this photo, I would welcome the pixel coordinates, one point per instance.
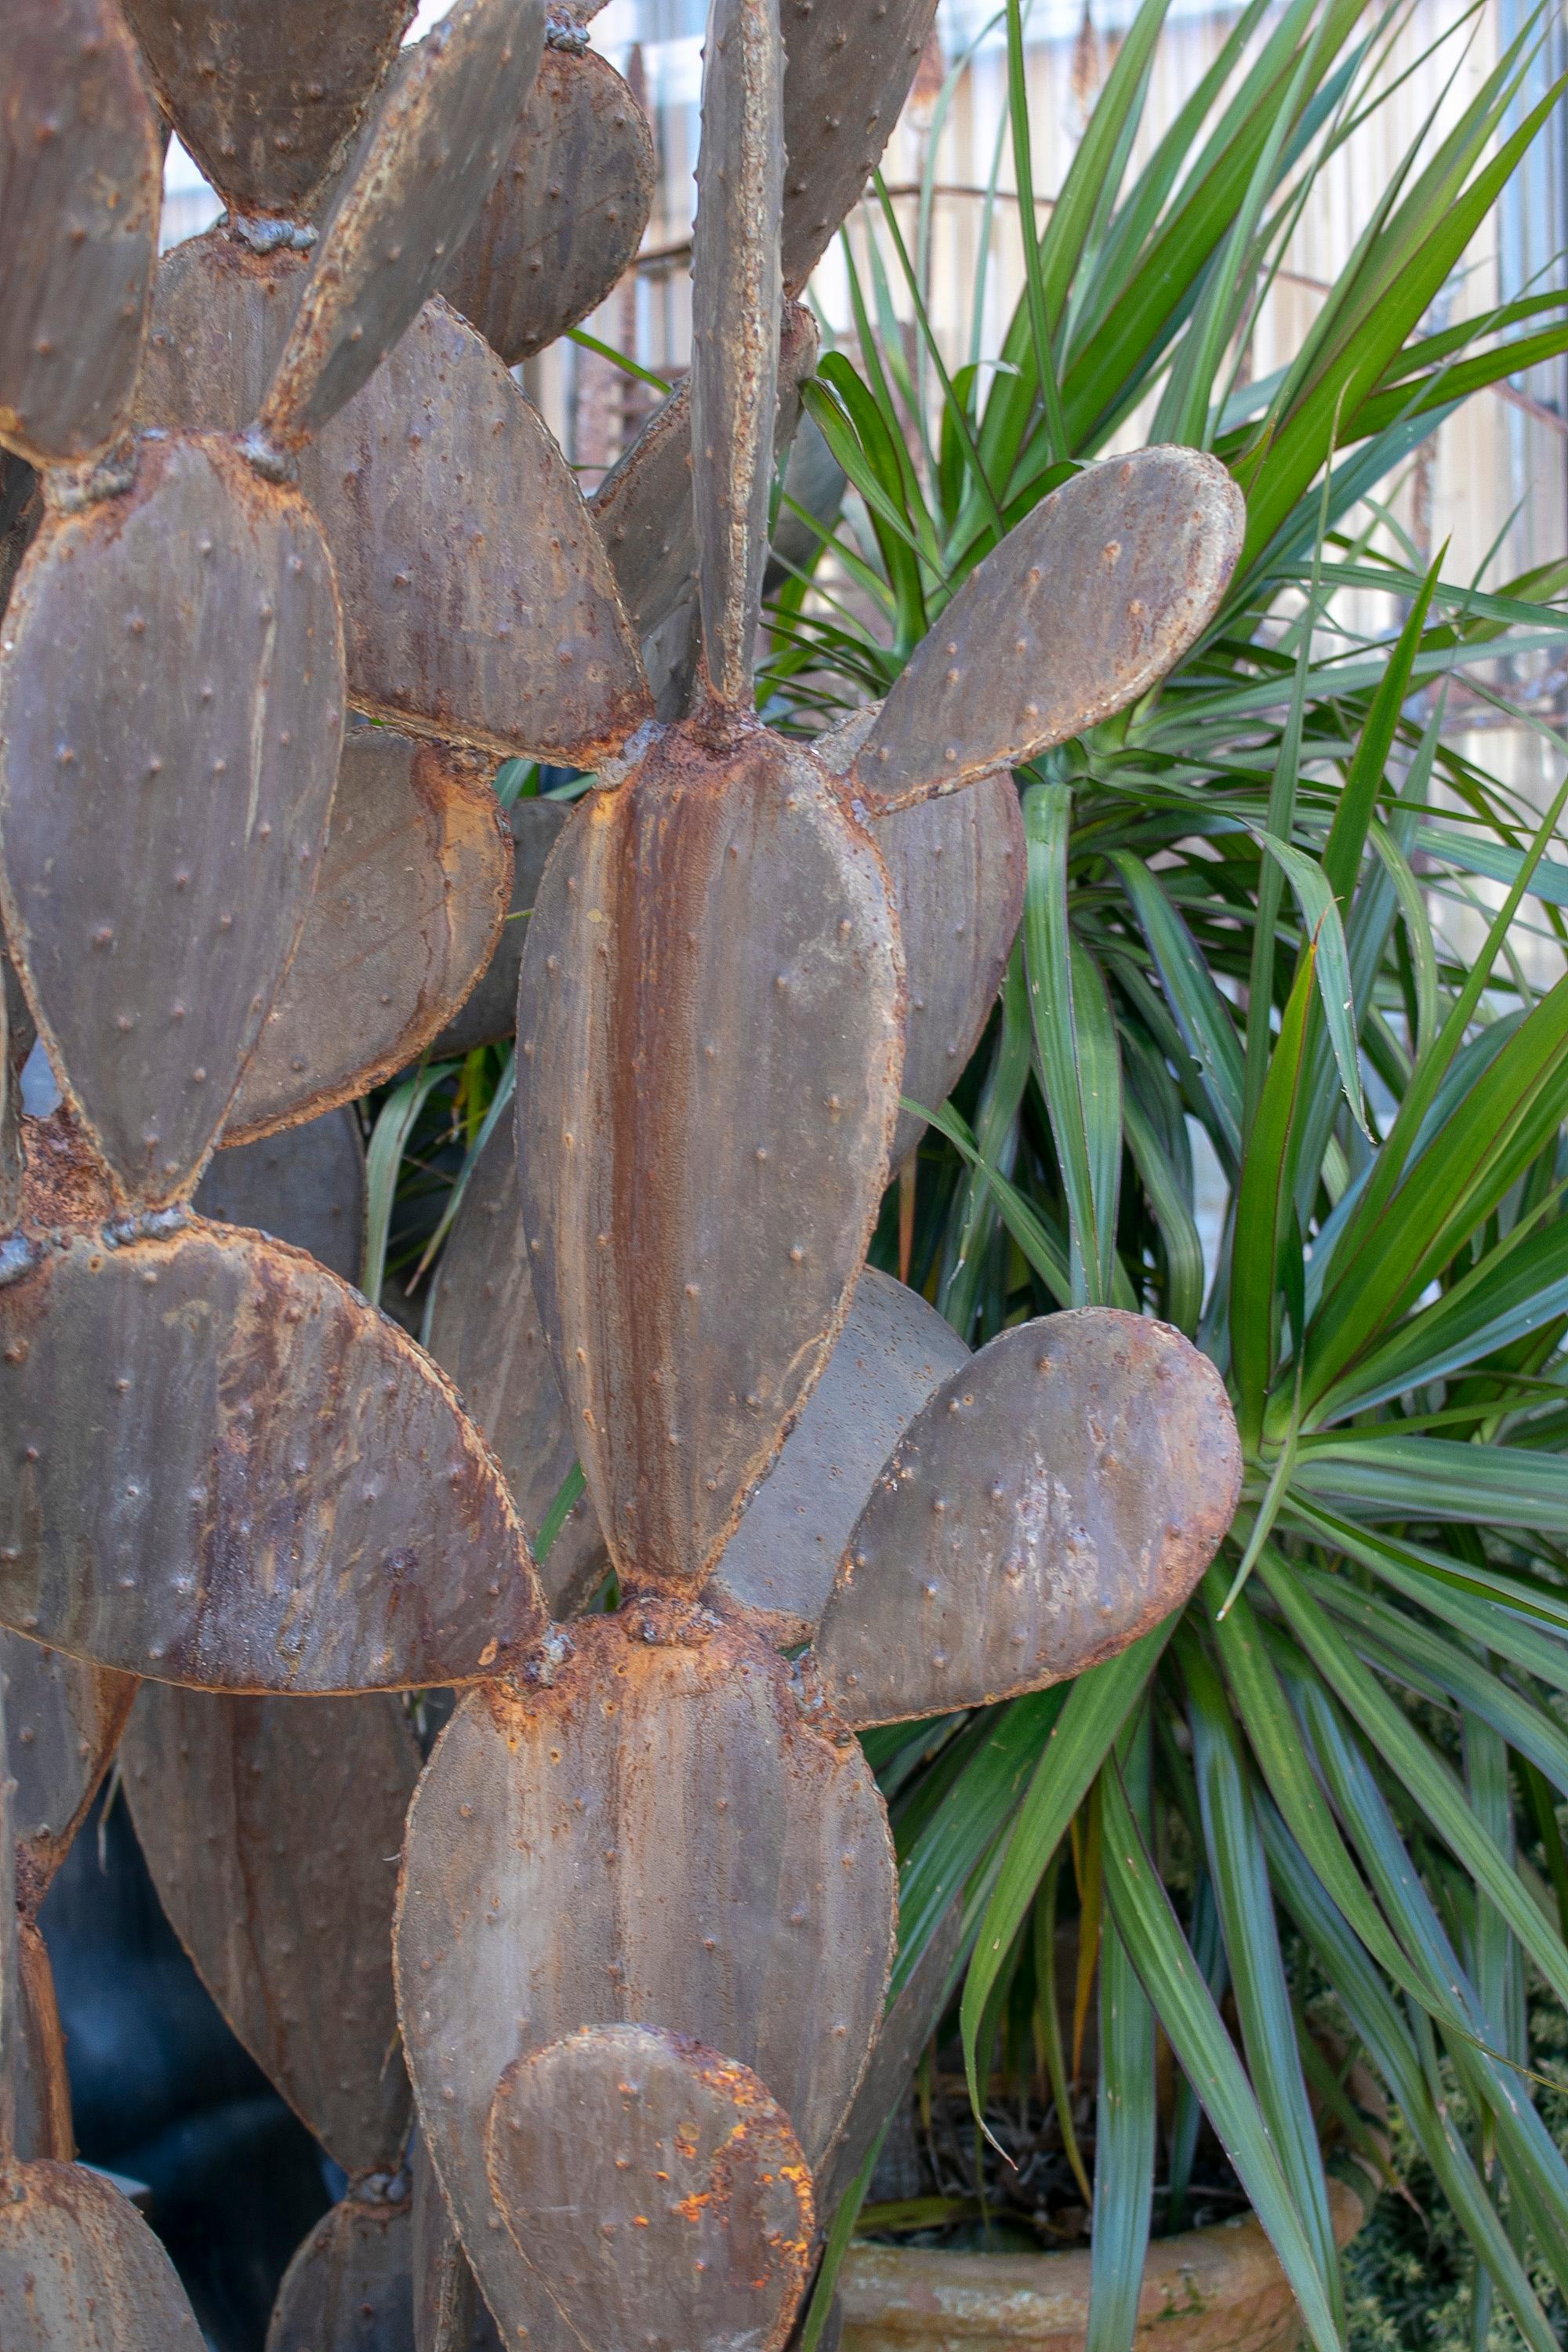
(706, 1094)
(1075, 614)
(63, 1721)
(267, 93)
(410, 897)
(221, 1467)
(780, 1563)
(351, 2284)
(268, 1825)
(657, 1833)
(430, 161)
(1056, 1498)
(81, 2272)
(304, 1186)
(490, 1012)
(848, 73)
(81, 175)
(689, 2215)
(170, 675)
(40, 2084)
(565, 219)
(912, 2016)
(479, 602)
(484, 1330)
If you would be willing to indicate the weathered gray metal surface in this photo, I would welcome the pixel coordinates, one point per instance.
(1053, 1501)
(489, 1012)
(484, 1332)
(266, 94)
(563, 220)
(689, 2217)
(63, 1722)
(705, 1097)
(225, 1468)
(657, 1830)
(450, 2314)
(410, 898)
(780, 1563)
(911, 2018)
(81, 177)
(477, 600)
(736, 290)
(644, 505)
(848, 71)
(304, 1186)
(427, 165)
(268, 1825)
(81, 2272)
(179, 645)
(1077, 612)
(350, 2288)
(957, 865)
(16, 1023)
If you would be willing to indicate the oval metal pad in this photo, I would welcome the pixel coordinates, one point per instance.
(848, 70)
(780, 1563)
(267, 1825)
(706, 1094)
(220, 1467)
(305, 1186)
(81, 179)
(1055, 1499)
(489, 1012)
(427, 166)
(691, 2215)
(350, 2283)
(63, 1721)
(81, 2272)
(477, 600)
(655, 1834)
(171, 676)
(410, 897)
(1079, 610)
(485, 1331)
(267, 96)
(564, 221)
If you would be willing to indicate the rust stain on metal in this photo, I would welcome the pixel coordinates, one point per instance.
(780, 1563)
(40, 2085)
(566, 216)
(411, 893)
(81, 175)
(63, 1722)
(736, 289)
(427, 164)
(1079, 611)
(706, 1094)
(485, 1331)
(180, 644)
(847, 74)
(267, 99)
(305, 1186)
(479, 602)
(351, 2282)
(224, 1468)
(1055, 1499)
(489, 1012)
(690, 2213)
(650, 1829)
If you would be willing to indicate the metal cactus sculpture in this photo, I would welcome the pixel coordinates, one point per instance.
(647, 1905)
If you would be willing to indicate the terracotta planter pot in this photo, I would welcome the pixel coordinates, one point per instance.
(1214, 2290)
